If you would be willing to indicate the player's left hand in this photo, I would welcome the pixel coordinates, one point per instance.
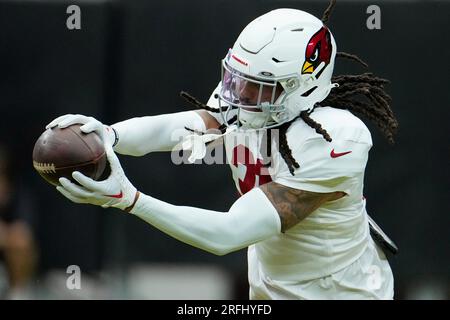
(116, 191)
(89, 124)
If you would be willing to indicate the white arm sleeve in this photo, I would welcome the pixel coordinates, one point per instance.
(251, 218)
(139, 136)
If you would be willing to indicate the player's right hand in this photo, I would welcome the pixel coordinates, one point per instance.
(89, 124)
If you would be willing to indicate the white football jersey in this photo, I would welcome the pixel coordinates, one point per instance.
(336, 234)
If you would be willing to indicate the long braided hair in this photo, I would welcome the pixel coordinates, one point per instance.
(362, 94)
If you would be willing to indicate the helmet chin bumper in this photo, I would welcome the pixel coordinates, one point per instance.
(253, 119)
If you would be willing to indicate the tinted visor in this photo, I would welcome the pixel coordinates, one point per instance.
(242, 90)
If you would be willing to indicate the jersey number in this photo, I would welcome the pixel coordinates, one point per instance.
(255, 174)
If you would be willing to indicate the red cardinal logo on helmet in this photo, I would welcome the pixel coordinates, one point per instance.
(318, 50)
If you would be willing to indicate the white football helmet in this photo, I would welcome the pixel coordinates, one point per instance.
(280, 65)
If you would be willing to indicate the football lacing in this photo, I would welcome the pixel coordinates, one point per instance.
(44, 167)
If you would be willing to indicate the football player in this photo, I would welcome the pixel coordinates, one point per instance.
(301, 212)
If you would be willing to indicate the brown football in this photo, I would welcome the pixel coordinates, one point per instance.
(59, 152)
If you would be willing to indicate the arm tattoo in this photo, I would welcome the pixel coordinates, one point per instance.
(294, 205)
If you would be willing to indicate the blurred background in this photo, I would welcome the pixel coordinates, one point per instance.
(132, 58)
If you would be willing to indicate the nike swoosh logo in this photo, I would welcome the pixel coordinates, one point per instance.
(117, 196)
(338, 154)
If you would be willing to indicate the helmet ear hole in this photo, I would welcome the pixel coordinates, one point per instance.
(307, 93)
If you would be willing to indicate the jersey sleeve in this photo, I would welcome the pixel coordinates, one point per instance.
(324, 166)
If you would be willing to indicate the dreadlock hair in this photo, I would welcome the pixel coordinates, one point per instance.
(285, 150)
(326, 14)
(362, 94)
(353, 57)
(199, 105)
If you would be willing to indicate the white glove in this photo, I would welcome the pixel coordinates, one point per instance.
(116, 191)
(89, 124)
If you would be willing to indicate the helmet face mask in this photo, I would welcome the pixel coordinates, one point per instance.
(259, 98)
(277, 69)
